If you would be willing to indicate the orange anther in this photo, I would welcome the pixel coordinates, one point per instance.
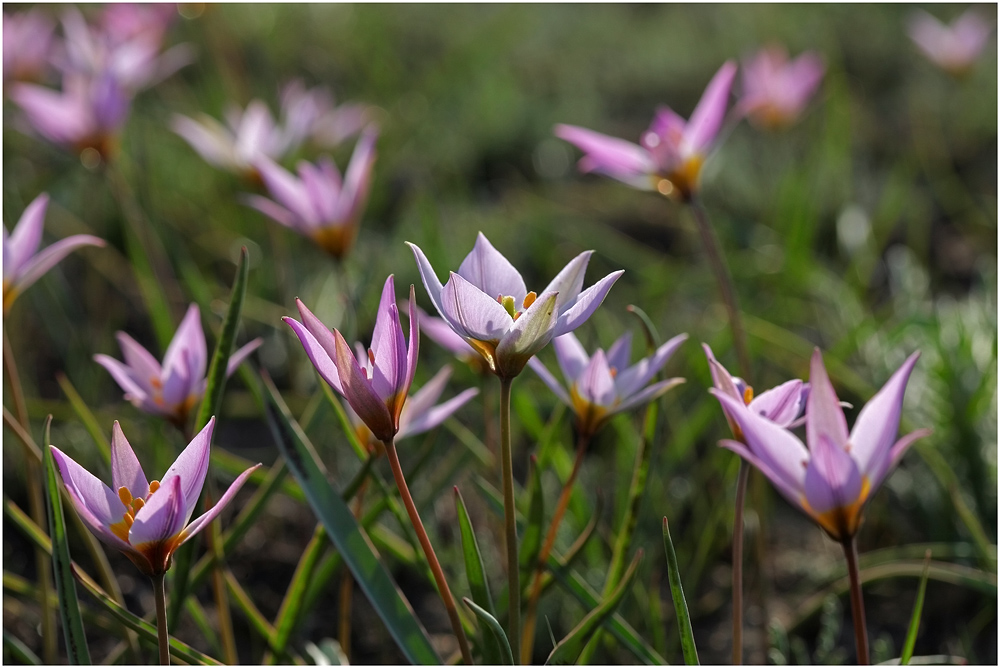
(137, 504)
(128, 519)
(748, 395)
(156, 383)
(125, 495)
(529, 299)
(153, 486)
(614, 372)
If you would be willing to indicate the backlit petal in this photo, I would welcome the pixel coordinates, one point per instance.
(358, 391)
(191, 466)
(197, 525)
(711, 110)
(487, 269)
(571, 355)
(430, 280)
(318, 355)
(40, 264)
(585, 305)
(161, 517)
(878, 422)
(428, 419)
(125, 468)
(824, 416)
(569, 281)
(782, 404)
(472, 312)
(27, 235)
(832, 477)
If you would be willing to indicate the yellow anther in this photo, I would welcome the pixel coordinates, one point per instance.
(137, 504)
(128, 519)
(613, 371)
(529, 299)
(508, 305)
(125, 496)
(748, 395)
(153, 486)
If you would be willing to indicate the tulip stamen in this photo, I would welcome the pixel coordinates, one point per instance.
(125, 496)
(153, 486)
(748, 395)
(508, 305)
(529, 299)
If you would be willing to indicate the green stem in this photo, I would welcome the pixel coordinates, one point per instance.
(741, 493)
(582, 441)
(425, 543)
(161, 619)
(857, 602)
(721, 270)
(510, 521)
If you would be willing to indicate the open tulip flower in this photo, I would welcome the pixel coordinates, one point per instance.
(954, 47)
(319, 204)
(27, 37)
(376, 390)
(22, 263)
(419, 413)
(147, 521)
(670, 153)
(170, 390)
(487, 304)
(782, 405)
(604, 384)
(839, 472)
(776, 91)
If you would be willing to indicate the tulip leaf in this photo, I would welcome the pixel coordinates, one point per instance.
(490, 622)
(69, 606)
(918, 606)
(19, 651)
(572, 582)
(288, 613)
(475, 572)
(224, 347)
(147, 631)
(569, 648)
(531, 541)
(352, 543)
(680, 604)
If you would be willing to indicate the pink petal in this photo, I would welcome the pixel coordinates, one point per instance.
(620, 351)
(584, 306)
(413, 350)
(491, 272)
(389, 347)
(317, 354)
(191, 467)
(287, 190)
(550, 380)
(357, 180)
(238, 356)
(878, 422)
(208, 138)
(358, 391)
(569, 281)
(197, 525)
(424, 398)
(125, 378)
(824, 416)
(125, 468)
(645, 396)
(595, 384)
(635, 377)
(185, 359)
(832, 477)
(27, 235)
(141, 361)
(711, 110)
(793, 492)
(162, 517)
(607, 155)
(782, 404)
(96, 504)
(276, 212)
(571, 356)
(430, 418)
(473, 313)
(37, 266)
(430, 280)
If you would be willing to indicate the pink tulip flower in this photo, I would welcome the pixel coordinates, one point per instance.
(173, 389)
(838, 474)
(22, 263)
(670, 153)
(603, 385)
(320, 204)
(27, 38)
(147, 521)
(776, 90)
(487, 304)
(954, 48)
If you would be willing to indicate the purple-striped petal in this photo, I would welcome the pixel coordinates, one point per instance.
(125, 468)
(487, 269)
(360, 395)
(473, 313)
(878, 422)
(782, 404)
(550, 380)
(37, 266)
(191, 467)
(585, 305)
(824, 416)
(706, 120)
(197, 525)
(571, 356)
(317, 354)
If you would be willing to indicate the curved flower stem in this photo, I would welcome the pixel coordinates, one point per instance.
(161, 619)
(510, 521)
(857, 602)
(741, 492)
(582, 442)
(721, 270)
(425, 543)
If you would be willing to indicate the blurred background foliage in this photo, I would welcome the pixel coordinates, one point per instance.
(867, 229)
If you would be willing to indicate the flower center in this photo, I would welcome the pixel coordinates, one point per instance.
(509, 304)
(132, 506)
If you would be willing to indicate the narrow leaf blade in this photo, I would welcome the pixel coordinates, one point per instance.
(569, 648)
(680, 604)
(475, 572)
(354, 546)
(491, 623)
(918, 607)
(69, 606)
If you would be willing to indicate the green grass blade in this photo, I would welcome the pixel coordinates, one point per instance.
(18, 651)
(475, 572)
(918, 607)
(354, 546)
(212, 401)
(69, 606)
(569, 648)
(531, 541)
(490, 622)
(680, 604)
(288, 613)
